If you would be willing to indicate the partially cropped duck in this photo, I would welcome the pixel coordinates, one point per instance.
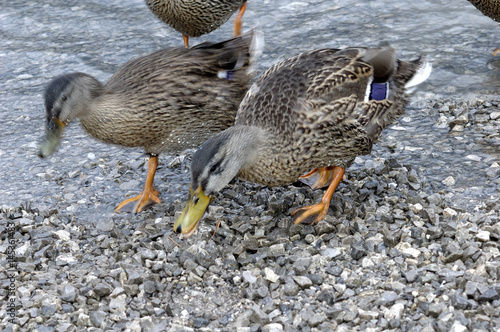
(490, 8)
(318, 109)
(167, 101)
(194, 18)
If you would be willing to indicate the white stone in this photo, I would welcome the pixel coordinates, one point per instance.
(473, 157)
(249, 277)
(449, 181)
(65, 259)
(416, 208)
(395, 312)
(449, 212)
(458, 327)
(62, 234)
(367, 315)
(118, 304)
(483, 236)
(366, 262)
(273, 327)
(494, 115)
(270, 275)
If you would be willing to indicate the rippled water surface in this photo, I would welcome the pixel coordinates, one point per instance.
(41, 39)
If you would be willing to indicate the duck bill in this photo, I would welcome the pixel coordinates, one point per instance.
(52, 138)
(193, 212)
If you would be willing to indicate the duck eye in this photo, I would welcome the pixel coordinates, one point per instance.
(64, 98)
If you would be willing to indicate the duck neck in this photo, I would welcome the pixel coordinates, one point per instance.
(89, 90)
(244, 144)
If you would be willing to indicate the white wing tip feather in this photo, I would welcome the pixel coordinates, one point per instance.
(423, 72)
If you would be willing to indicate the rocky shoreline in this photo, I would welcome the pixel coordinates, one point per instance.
(392, 254)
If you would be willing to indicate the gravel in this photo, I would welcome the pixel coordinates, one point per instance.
(390, 258)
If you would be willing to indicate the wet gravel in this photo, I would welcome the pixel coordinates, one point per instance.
(411, 241)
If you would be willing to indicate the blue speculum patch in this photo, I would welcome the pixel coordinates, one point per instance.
(379, 91)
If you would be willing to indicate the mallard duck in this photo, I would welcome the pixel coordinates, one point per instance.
(490, 8)
(315, 110)
(194, 18)
(170, 100)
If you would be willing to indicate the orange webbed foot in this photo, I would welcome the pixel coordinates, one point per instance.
(318, 177)
(138, 203)
(313, 214)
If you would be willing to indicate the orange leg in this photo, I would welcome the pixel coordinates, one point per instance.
(313, 214)
(318, 177)
(149, 194)
(495, 52)
(238, 20)
(186, 41)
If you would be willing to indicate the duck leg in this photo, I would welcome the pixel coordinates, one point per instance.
(318, 177)
(238, 20)
(313, 214)
(495, 52)
(149, 194)
(186, 41)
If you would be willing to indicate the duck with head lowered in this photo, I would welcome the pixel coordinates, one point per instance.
(166, 101)
(194, 18)
(316, 110)
(490, 8)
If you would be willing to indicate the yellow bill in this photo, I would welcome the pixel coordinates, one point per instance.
(193, 212)
(53, 137)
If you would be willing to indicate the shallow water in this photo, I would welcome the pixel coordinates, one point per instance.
(41, 39)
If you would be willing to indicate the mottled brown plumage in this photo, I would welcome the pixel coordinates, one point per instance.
(490, 8)
(170, 100)
(312, 110)
(194, 18)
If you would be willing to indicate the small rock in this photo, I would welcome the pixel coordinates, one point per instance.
(470, 288)
(249, 277)
(63, 235)
(83, 320)
(273, 327)
(97, 318)
(494, 115)
(118, 304)
(135, 274)
(458, 327)
(65, 259)
(69, 293)
(368, 315)
(270, 275)
(48, 310)
(302, 264)
(489, 295)
(331, 253)
(449, 212)
(411, 275)
(459, 301)
(395, 312)
(473, 157)
(388, 298)
(483, 236)
(449, 181)
(102, 289)
(303, 282)
(291, 289)
(416, 208)
(317, 319)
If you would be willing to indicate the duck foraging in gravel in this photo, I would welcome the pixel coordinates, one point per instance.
(317, 109)
(490, 8)
(170, 100)
(194, 18)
